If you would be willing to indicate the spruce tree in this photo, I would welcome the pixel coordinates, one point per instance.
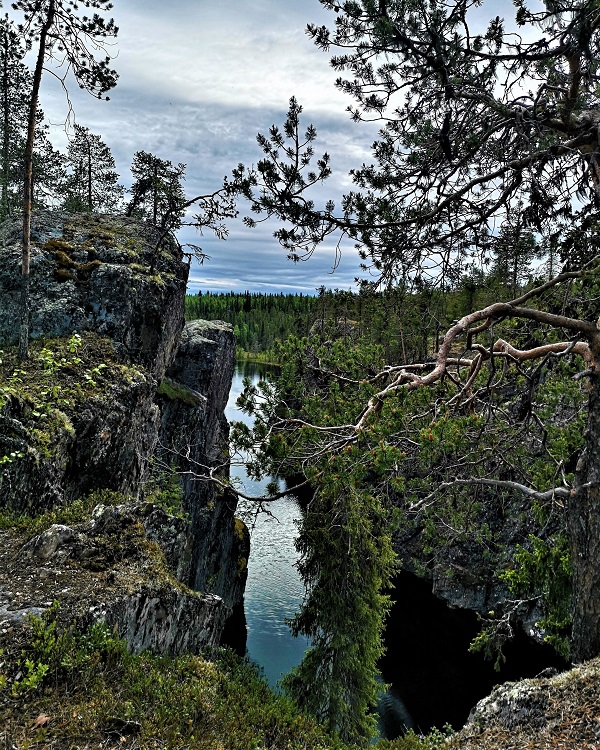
(91, 184)
(157, 192)
(514, 249)
(475, 118)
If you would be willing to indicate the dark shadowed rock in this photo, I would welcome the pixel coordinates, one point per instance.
(194, 434)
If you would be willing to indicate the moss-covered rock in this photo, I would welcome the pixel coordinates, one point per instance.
(81, 419)
(193, 439)
(75, 418)
(85, 277)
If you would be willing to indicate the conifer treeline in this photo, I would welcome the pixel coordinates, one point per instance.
(406, 324)
(259, 320)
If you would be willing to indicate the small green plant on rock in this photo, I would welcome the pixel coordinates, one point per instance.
(164, 489)
(435, 740)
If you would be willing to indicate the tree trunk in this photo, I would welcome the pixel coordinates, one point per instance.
(6, 133)
(27, 183)
(155, 194)
(89, 176)
(583, 523)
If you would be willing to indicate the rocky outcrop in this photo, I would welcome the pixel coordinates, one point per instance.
(104, 570)
(542, 713)
(167, 622)
(98, 273)
(106, 280)
(84, 439)
(83, 416)
(194, 435)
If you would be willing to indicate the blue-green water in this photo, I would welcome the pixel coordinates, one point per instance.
(274, 589)
(434, 678)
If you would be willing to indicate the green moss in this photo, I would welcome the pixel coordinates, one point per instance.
(84, 679)
(58, 245)
(163, 488)
(87, 268)
(63, 260)
(43, 394)
(435, 740)
(66, 268)
(241, 530)
(177, 392)
(157, 279)
(75, 512)
(62, 274)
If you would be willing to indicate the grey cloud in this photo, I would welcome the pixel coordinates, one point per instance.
(198, 80)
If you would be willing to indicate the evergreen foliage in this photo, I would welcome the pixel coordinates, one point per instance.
(421, 466)
(15, 80)
(157, 193)
(47, 167)
(259, 320)
(408, 324)
(474, 121)
(480, 130)
(60, 35)
(514, 249)
(91, 184)
(346, 563)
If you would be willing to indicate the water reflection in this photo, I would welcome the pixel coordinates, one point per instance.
(274, 589)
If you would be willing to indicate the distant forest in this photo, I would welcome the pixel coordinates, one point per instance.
(407, 325)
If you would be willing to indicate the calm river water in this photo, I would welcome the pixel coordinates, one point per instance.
(433, 677)
(274, 590)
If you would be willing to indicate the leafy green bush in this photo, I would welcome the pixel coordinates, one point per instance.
(411, 741)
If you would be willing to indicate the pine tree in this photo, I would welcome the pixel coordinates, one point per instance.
(157, 192)
(15, 82)
(60, 35)
(474, 120)
(92, 182)
(48, 169)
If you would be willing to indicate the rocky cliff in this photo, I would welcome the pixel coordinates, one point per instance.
(93, 413)
(193, 439)
(463, 568)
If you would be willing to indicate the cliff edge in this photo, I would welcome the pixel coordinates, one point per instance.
(86, 438)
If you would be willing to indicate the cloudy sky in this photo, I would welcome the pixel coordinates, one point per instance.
(198, 79)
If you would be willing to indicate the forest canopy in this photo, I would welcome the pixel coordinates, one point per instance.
(487, 152)
(485, 174)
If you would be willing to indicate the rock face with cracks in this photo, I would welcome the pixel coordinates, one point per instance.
(193, 438)
(89, 420)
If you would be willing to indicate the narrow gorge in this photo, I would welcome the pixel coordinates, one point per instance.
(109, 434)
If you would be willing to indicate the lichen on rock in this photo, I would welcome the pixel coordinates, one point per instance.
(85, 413)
